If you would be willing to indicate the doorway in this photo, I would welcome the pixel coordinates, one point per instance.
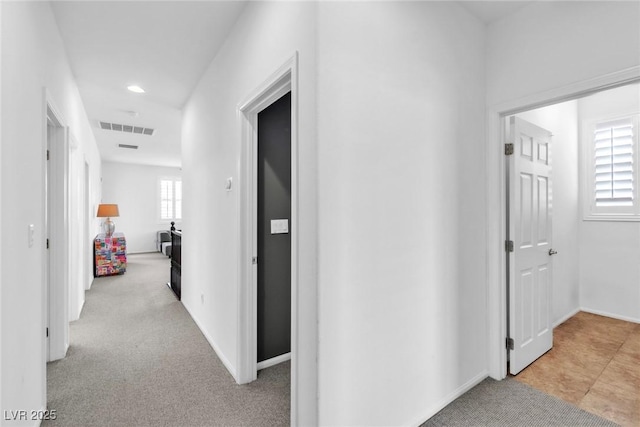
(580, 256)
(283, 82)
(88, 244)
(273, 238)
(56, 234)
(497, 257)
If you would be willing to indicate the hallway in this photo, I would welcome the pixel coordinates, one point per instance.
(137, 359)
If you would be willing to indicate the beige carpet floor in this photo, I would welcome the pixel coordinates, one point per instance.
(136, 358)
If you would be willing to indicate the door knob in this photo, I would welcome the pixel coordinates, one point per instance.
(552, 252)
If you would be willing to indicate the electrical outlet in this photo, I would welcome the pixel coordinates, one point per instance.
(202, 298)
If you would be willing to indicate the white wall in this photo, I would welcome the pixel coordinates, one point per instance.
(401, 225)
(33, 57)
(610, 251)
(562, 121)
(551, 44)
(135, 189)
(402, 315)
(265, 36)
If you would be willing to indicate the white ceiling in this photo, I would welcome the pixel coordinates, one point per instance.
(163, 46)
(491, 11)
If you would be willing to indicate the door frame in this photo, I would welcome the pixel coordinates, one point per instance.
(76, 234)
(56, 229)
(496, 199)
(283, 80)
(87, 277)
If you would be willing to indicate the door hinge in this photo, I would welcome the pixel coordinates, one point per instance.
(508, 149)
(510, 344)
(254, 260)
(508, 245)
(47, 332)
(47, 243)
(47, 154)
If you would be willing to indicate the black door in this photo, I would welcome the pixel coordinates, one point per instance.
(274, 250)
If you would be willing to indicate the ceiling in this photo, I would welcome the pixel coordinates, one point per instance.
(164, 47)
(491, 11)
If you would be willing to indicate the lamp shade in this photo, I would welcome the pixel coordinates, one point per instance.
(107, 210)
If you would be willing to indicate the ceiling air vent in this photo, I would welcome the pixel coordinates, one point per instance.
(132, 147)
(127, 128)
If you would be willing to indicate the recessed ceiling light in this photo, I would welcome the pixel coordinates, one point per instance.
(135, 88)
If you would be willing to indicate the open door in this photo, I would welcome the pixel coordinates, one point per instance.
(274, 239)
(529, 243)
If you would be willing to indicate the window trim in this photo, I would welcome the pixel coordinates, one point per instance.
(174, 180)
(591, 212)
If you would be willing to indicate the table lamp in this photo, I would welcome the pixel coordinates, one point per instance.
(107, 211)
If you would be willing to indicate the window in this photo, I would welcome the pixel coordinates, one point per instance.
(612, 181)
(170, 199)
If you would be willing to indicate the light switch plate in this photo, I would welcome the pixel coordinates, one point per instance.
(279, 226)
(32, 231)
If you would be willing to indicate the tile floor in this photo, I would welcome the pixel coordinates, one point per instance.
(594, 364)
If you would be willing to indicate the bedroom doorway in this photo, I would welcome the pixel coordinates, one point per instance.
(56, 234)
(273, 238)
(279, 88)
(496, 199)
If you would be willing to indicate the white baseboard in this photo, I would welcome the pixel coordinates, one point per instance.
(274, 361)
(81, 307)
(614, 316)
(567, 317)
(42, 411)
(213, 345)
(450, 398)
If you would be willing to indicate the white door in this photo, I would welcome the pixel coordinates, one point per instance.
(529, 228)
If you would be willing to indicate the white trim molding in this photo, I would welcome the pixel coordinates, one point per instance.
(283, 80)
(56, 229)
(434, 409)
(566, 317)
(611, 315)
(213, 344)
(273, 361)
(496, 198)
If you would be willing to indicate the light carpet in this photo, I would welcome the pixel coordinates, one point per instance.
(511, 403)
(136, 358)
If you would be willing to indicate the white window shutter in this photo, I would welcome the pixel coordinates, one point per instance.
(178, 199)
(166, 199)
(613, 160)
